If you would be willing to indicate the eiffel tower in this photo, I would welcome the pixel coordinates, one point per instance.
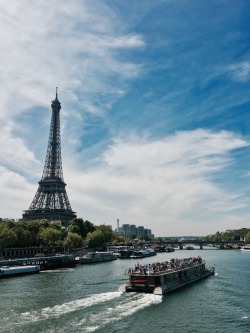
(51, 201)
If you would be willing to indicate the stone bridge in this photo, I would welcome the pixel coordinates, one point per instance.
(199, 242)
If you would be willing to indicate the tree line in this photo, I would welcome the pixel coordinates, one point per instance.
(45, 233)
(230, 235)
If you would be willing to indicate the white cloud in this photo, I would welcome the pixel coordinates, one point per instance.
(159, 184)
(73, 45)
(14, 152)
(15, 191)
(240, 71)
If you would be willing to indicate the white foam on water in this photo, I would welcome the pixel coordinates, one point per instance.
(125, 308)
(216, 274)
(58, 310)
(245, 317)
(91, 329)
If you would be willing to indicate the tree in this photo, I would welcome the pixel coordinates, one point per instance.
(24, 238)
(8, 237)
(100, 237)
(247, 237)
(34, 228)
(81, 227)
(50, 236)
(106, 231)
(73, 240)
(95, 239)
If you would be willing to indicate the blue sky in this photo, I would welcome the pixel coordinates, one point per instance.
(155, 109)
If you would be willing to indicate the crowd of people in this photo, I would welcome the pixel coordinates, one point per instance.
(157, 267)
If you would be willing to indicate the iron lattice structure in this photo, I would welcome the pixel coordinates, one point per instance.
(51, 200)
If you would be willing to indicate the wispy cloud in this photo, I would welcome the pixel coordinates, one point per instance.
(154, 182)
(240, 71)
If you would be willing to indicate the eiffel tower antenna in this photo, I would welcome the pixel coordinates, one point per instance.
(51, 201)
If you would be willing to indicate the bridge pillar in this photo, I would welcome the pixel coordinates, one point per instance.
(201, 246)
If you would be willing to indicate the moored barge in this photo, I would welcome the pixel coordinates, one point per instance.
(7, 271)
(96, 257)
(45, 263)
(162, 278)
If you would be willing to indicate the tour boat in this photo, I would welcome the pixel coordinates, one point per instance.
(94, 257)
(161, 278)
(8, 271)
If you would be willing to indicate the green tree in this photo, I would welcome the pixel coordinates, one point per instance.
(50, 236)
(106, 231)
(73, 240)
(35, 227)
(8, 237)
(81, 227)
(95, 239)
(100, 237)
(24, 238)
(247, 237)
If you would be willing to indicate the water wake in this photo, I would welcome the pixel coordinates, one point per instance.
(126, 307)
(93, 312)
(58, 310)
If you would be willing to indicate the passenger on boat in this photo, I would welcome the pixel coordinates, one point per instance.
(167, 265)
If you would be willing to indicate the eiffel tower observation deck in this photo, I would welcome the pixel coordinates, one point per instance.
(51, 201)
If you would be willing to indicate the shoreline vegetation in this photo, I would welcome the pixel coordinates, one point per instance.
(83, 234)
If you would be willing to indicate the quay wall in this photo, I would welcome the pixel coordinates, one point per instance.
(29, 252)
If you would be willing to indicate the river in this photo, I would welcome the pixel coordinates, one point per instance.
(86, 299)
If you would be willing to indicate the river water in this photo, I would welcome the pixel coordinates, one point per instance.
(86, 299)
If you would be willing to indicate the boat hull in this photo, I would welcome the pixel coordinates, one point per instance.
(167, 289)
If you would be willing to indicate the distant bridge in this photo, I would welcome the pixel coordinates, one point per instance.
(199, 242)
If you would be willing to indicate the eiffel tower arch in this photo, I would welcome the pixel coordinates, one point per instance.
(51, 200)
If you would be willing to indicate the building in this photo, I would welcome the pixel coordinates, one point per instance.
(129, 231)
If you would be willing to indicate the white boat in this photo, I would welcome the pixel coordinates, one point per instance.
(161, 278)
(8, 271)
(143, 253)
(246, 248)
(95, 257)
